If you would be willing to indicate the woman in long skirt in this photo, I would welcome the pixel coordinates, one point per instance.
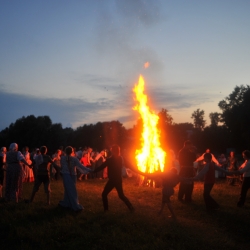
(69, 164)
(14, 173)
(29, 175)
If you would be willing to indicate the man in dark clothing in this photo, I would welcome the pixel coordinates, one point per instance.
(114, 164)
(43, 162)
(186, 159)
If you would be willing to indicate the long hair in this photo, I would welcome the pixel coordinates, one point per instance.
(68, 151)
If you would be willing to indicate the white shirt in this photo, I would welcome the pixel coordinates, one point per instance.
(201, 158)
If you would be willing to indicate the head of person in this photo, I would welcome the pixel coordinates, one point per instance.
(173, 170)
(26, 149)
(68, 150)
(59, 152)
(3, 149)
(232, 153)
(246, 154)
(187, 144)
(13, 147)
(85, 154)
(207, 157)
(115, 150)
(208, 150)
(192, 148)
(43, 150)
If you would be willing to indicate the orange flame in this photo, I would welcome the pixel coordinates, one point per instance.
(150, 157)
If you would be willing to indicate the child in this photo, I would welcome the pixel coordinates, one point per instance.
(169, 180)
(209, 173)
(84, 162)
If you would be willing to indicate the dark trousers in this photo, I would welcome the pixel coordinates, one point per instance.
(118, 186)
(209, 201)
(185, 191)
(244, 188)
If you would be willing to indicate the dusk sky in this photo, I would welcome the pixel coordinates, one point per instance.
(78, 61)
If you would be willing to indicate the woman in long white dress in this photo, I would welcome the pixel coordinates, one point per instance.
(69, 164)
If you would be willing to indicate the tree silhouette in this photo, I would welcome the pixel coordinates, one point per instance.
(34, 132)
(236, 116)
(215, 118)
(165, 117)
(198, 117)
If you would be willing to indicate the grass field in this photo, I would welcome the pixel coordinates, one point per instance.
(38, 226)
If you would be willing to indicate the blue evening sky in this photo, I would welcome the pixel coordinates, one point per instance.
(77, 61)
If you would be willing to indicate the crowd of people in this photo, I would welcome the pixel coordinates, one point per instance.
(195, 167)
(72, 165)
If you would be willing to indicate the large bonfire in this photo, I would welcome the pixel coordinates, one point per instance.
(150, 157)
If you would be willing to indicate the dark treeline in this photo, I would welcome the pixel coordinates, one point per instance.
(228, 129)
(37, 131)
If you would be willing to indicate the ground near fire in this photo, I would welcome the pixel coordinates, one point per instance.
(37, 226)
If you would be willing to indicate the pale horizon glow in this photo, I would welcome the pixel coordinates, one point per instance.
(77, 62)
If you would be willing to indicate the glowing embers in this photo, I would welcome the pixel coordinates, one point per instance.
(151, 157)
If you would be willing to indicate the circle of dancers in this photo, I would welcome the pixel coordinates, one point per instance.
(17, 167)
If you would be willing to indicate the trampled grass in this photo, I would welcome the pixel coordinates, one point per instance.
(38, 226)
